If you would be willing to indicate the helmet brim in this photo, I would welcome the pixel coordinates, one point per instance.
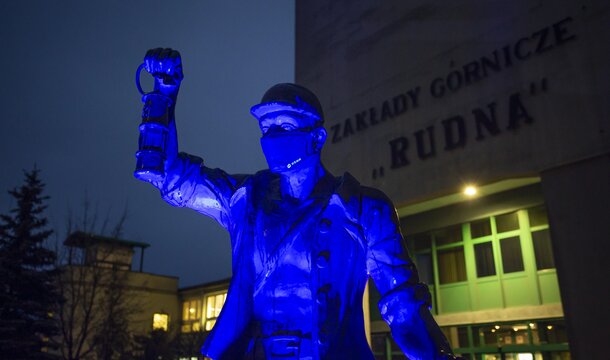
(265, 109)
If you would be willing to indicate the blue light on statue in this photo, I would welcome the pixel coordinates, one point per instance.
(286, 150)
(304, 242)
(154, 133)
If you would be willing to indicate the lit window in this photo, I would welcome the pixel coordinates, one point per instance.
(448, 235)
(457, 336)
(424, 267)
(210, 324)
(419, 242)
(507, 222)
(420, 245)
(484, 258)
(512, 261)
(543, 249)
(191, 310)
(480, 228)
(197, 326)
(214, 304)
(451, 265)
(160, 322)
(191, 315)
(538, 216)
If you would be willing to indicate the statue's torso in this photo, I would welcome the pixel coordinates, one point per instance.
(284, 302)
(312, 290)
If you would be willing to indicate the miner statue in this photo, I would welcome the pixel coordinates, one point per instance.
(304, 242)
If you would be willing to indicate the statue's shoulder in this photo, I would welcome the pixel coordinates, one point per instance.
(263, 179)
(348, 186)
(359, 200)
(261, 185)
(250, 188)
(249, 180)
(264, 174)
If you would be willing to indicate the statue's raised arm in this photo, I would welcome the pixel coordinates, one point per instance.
(182, 179)
(158, 145)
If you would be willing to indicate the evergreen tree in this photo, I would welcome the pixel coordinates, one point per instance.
(28, 293)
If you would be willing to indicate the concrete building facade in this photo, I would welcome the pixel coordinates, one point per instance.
(425, 98)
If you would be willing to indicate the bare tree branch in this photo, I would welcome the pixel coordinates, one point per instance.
(95, 311)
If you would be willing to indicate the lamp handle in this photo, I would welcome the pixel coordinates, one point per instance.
(142, 66)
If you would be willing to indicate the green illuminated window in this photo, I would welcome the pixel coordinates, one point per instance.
(543, 250)
(507, 222)
(483, 264)
(537, 216)
(451, 265)
(425, 267)
(448, 235)
(480, 228)
(420, 247)
(512, 260)
(420, 242)
(484, 258)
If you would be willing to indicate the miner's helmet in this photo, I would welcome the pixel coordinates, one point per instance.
(289, 98)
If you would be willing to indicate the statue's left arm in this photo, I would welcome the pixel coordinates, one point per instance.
(405, 302)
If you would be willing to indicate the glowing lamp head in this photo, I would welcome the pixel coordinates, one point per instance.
(470, 190)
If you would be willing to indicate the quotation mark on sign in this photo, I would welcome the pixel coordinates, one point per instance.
(536, 87)
(380, 172)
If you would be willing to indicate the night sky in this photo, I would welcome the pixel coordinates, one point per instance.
(70, 106)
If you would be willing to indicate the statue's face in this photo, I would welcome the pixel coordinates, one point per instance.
(290, 142)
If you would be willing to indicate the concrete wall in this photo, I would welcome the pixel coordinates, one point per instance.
(358, 55)
(422, 97)
(578, 199)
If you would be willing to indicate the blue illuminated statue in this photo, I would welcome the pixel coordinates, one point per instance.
(304, 242)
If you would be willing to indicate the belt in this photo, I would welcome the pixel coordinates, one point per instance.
(287, 345)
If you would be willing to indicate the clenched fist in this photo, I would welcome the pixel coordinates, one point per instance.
(166, 67)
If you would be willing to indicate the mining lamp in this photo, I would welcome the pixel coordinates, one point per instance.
(154, 133)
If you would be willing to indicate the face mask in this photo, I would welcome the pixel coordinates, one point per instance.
(287, 150)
